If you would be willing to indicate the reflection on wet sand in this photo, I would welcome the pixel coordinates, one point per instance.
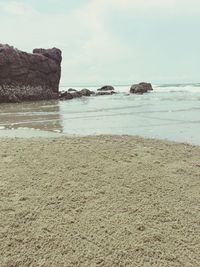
(41, 115)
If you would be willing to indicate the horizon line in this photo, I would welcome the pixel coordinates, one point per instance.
(128, 84)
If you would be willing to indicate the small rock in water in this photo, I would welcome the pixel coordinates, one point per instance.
(65, 96)
(106, 88)
(86, 92)
(141, 88)
(72, 93)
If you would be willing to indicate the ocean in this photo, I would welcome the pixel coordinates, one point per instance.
(170, 112)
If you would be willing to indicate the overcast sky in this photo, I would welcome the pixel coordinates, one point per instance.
(110, 41)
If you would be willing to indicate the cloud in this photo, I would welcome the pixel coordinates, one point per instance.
(17, 8)
(107, 40)
(176, 7)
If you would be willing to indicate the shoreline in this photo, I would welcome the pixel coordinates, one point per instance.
(42, 135)
(99, 200)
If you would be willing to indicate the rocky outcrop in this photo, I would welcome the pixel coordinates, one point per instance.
(140, 88)
(106, 88)
(26, 76)
(103, 91)
(73, 93)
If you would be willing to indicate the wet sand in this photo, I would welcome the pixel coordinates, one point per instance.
(99, 201)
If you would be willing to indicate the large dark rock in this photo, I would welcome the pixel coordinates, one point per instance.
(25, 76)
(106, 88)
(140, 88)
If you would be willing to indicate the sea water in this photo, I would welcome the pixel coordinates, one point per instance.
(169, 112)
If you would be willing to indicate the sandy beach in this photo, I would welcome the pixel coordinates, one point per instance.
(99, 201)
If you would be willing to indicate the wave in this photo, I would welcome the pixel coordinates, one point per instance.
(177, 88)
(138, 113)
(179, 85)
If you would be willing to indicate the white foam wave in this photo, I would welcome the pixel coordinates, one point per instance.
(176, 89)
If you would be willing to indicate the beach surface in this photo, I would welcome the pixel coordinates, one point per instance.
(99, 201)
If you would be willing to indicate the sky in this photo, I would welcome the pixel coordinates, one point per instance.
(110, 41)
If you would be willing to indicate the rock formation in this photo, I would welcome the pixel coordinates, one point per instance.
(141, 88)
(106, 88)
(25, 76)
(65, 95)
(86, 92)
(73, 93)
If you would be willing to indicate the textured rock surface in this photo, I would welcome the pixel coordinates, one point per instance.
(141, 88)
(25, 76)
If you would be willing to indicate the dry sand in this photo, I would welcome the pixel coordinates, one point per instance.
(99, 201)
